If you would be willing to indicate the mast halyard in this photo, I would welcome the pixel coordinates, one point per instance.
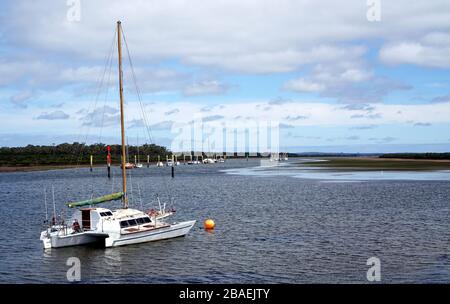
(122, 125)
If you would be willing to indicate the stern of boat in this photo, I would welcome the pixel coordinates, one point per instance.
(46, 240)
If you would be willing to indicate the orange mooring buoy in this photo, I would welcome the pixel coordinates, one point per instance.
(209, 224)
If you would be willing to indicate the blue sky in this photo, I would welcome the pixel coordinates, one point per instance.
(332, 79)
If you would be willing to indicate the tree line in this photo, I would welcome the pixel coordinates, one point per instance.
(437, 156)
(75, 154)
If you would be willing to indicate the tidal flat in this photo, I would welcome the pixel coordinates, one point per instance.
(375, 164)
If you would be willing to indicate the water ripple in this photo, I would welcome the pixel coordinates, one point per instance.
(271, 228)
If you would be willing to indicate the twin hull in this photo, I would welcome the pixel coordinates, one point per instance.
(113, 239)
(168, 232)
(56, 240)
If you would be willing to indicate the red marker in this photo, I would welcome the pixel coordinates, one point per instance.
(108, 160)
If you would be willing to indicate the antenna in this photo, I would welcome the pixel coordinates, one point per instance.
(140, 197)
(45, 204)
(159, 202)
(54, 205)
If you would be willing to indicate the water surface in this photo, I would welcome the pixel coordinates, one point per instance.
(270, 228)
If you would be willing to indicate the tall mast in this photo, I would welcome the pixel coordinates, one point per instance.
(122, 125)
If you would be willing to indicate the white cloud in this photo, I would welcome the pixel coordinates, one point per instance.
(430, 50)
(386, 139)
(437, 38)
(279, 61)
(340, 74)
(285, 126)
(278, 101)
(212, 118)
(205, 88)
(156, 79)
(309, 113)
(302, 85)
(247, 37)
(55, 115)
(21, 98)
(136, 123)
(174, 111)
(81, 74)
(443, 98)
(293, 114)
(101, 117)
(422, 124)
(296, 117)
(172, 42)
(250, 36)
(355, 75)
(416, 53)
(163, 125)
(9, 72)
(25, 71)
(348, 82)
(366, 127)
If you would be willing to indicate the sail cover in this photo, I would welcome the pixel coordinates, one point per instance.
(98, 200)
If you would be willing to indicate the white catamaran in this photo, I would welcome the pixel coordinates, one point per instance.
(118, 227)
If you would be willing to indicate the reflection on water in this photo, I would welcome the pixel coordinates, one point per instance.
(274, 229)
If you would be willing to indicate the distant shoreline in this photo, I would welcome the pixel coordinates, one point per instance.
(371, 163)
(401, 159)
(6, 169)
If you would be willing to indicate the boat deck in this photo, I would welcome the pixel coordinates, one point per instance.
(143, 228)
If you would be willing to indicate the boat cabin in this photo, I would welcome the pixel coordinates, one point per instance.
(123, 220)
(90, 217)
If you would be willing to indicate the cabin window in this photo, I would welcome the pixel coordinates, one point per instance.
(146, 220)
(140, 221)
(124, 224)
(132, 222)
(108, 213)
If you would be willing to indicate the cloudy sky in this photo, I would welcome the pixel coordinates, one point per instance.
(333, 78)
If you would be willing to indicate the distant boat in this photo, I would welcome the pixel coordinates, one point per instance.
(194, 162)
(159, 163)
(275, 157)
(128, 166)
(170, 163)
(209, 161)
(123, 226)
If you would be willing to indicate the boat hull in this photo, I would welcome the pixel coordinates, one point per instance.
(171, 231)
(60, 241)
